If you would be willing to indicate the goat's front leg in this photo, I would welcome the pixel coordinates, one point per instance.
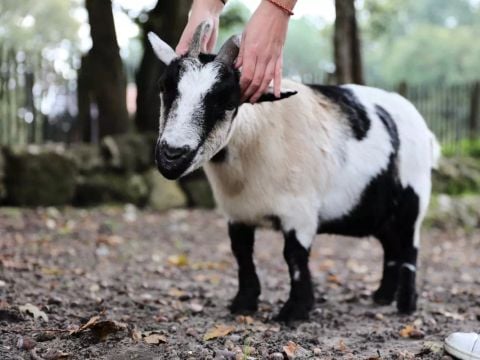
(301, 299)
(242, 239)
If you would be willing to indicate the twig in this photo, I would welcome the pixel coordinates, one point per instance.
(34, 330)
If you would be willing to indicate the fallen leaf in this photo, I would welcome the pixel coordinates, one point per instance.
(411, 332)
(155, 339)
(341, 346)
(52, 271)
(334, 279)
(178, 260)
(134, 334)
(34, 311)
(101, 328)
(241, 319)
(218, 331)
(111, 240)
(290, 349)
(56, 355)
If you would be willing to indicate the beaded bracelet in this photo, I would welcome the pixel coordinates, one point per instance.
(281, 6)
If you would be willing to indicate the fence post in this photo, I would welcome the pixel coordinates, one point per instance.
(402, 89)
(474, 123)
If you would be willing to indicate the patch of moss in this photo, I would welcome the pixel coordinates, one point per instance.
(39, 178)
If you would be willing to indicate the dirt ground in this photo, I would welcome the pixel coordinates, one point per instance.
(156, 286)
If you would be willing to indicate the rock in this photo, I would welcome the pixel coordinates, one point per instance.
(198, 191)
(130, 152)
(457, 175)
(454, 211)
(111, 188)
(276, 356)
(39, 176)
(163, 194)
(87, 158)
(26, 343)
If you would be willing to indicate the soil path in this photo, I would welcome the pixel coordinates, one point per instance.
(161, 283)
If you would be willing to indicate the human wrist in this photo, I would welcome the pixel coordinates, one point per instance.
(214, 7)
(286, 6)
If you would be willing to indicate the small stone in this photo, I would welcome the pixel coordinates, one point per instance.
(44, 336)
(224, 355)
(196, 308)
(379, 316)
(191, 332)
(26, 343)
(276, 356)
(235, 338)
(317, 351)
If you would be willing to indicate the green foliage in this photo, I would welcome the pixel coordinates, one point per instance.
(34, 25)
(427, 42)
(465, 147)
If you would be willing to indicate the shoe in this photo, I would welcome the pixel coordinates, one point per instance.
(464, 346)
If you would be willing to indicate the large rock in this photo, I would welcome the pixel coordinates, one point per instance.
(39, 176)
(457, 175)
(111, 188)
(164, 194)
(454, 211)
(130, 152)
(87, 158)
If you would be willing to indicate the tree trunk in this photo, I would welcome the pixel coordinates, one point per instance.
(348, 56)
(167, 19)
(105, 70)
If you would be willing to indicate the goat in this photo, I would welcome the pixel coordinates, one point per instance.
(349, 160)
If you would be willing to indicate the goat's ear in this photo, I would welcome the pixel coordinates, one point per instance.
(270, 96)
(163, 51)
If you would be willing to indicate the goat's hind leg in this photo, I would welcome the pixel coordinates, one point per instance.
(242, 239)
(385, 294)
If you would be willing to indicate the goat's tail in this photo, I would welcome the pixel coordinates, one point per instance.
(436, 151)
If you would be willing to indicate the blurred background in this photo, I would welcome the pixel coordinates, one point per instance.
(80, 74)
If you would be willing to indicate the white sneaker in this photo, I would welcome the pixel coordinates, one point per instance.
(465, 346)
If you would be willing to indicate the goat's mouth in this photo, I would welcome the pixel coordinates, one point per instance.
(173, 167)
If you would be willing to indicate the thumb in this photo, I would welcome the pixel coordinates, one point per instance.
(239, 62)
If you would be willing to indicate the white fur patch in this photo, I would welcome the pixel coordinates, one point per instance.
(163, 51)
(196, 81)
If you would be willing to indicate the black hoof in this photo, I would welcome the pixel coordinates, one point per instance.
(244, 304)
(294, 311)
(383, 297)
(407, 303)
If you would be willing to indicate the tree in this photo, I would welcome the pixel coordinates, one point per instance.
(104, 70)
(167, 19)
(348, 58)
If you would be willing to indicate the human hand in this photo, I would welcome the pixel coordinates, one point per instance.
(261, 56)
(202, 10)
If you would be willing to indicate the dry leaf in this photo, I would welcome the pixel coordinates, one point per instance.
(341, 346)
(134, 334)
(111, 240)
(26, 343)
(334, 279)
(155, 339)
(174, 292)
(290, 349)
(56, 355)
(34, 311)
(178, 260)
(411, 332)
(247, 320)
(218, 331)
(101, 328)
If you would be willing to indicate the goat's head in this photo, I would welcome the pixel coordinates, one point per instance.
(200, 96)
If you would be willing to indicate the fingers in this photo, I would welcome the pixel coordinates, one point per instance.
(277, 82)
(184, 42)
(256, 80)
(267, 79)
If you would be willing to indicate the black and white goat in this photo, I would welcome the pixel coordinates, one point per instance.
(348, 160)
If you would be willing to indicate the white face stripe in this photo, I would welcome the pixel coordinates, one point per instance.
(195, 81)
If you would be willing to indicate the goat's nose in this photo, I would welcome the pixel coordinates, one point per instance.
(173, 153)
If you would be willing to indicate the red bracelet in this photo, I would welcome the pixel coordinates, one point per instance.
(281, 6)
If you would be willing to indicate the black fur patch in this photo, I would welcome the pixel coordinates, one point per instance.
(390, 125)
(275, 220)
(350, 106)
(270, 97)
